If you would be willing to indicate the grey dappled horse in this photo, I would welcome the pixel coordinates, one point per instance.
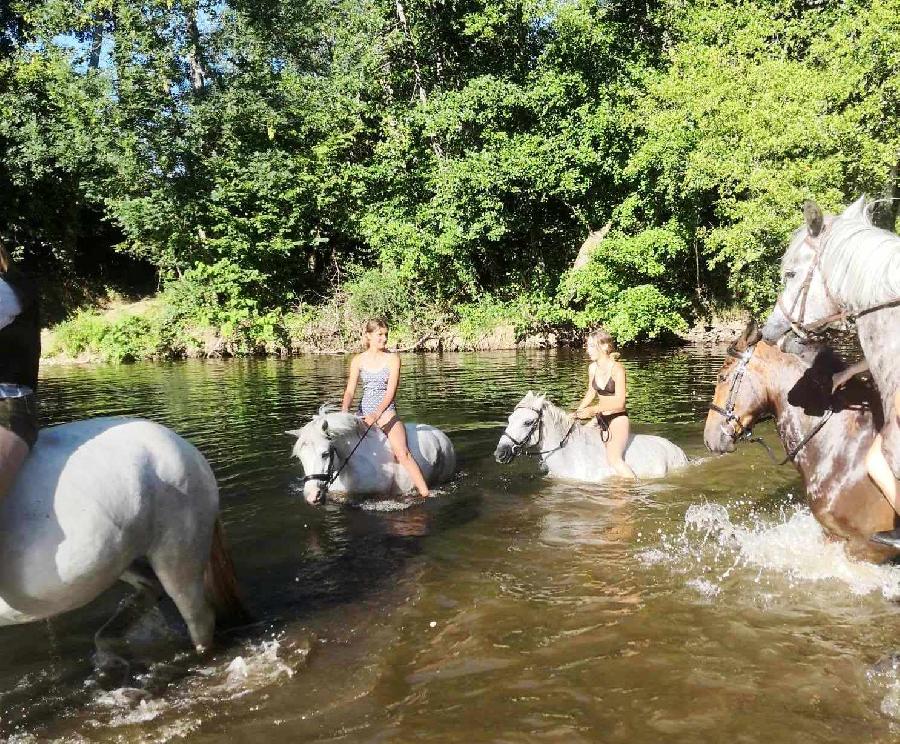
(840, 270)
(111, 499)
(570, 450)
(340, 453)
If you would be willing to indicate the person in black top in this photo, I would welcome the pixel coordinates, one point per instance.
(610, 411)
(20, 352)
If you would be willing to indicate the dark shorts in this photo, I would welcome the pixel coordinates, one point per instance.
(19, 415)
(604, 420)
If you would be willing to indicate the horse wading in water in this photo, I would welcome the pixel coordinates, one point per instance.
(112, 499)
(844, 270)
(569, 450)
(825, 434)
(340, 453)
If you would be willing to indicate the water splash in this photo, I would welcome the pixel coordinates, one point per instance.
(788, 547)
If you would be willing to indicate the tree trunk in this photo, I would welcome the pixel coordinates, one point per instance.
(892, 204)
(96, 45)
(199, 73)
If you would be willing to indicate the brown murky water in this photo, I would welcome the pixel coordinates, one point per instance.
(509, 608)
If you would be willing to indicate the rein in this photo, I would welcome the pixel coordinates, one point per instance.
(520, 446)
(740, 432)
(804, 330)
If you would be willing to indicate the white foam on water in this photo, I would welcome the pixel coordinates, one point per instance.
(258, 666)
(790, 545)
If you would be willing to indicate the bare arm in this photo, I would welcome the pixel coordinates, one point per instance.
(581, 410)
(350, 390)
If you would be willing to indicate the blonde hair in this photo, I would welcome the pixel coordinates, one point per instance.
(371, 325)
(4, 260)
(604, 338)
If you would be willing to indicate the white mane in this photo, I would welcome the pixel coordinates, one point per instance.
(861, 261)
(340, 425)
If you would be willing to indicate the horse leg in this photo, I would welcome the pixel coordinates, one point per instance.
(109, 641)
(181, 575)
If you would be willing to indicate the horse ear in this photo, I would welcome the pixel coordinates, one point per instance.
(752, 333)
(813, 217)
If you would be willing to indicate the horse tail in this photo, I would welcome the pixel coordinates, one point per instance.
(221, 583)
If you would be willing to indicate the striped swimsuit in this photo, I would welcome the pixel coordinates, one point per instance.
(375, 386)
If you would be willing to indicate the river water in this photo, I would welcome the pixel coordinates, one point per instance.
(509, 607)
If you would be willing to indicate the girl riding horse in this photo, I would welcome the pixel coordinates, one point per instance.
(606, 382)
(20, 352)
(380, 372)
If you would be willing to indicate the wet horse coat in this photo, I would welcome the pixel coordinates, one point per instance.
(798, 391)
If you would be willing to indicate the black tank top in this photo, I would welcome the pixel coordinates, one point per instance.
(20, 341)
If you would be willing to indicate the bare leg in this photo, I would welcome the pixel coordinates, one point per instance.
(13, 451)
(619, 430)
(880, 472)
(396, 434)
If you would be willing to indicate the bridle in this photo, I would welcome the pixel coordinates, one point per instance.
(804, 330)
(739, 431)
(330, 475)
(520, 446)
(800, 328)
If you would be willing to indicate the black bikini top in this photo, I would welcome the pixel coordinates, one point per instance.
(608, 389)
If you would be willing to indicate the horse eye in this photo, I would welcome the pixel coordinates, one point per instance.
(722, 378)
(790, 274)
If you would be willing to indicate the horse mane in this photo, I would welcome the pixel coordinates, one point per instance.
(553, 413)
(340, 424)
(861, 261)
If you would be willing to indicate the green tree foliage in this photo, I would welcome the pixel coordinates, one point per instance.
(422, 157)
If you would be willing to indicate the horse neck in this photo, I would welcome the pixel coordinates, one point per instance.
(556, 423)
(876, 331)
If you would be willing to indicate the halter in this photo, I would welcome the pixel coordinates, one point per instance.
(746, 432)
(520, 446)
(804, 330)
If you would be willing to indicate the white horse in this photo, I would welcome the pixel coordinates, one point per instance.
(570, 450)
(107, 499)
(324, 445)
(844, 269)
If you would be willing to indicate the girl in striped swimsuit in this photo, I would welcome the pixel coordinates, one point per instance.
(380, 373)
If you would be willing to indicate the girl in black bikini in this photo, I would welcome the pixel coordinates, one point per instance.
(610, 411)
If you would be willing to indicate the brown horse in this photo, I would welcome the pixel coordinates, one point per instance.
(826, 434)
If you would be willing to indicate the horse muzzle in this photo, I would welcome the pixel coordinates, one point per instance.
(776, 327)
(504, 453)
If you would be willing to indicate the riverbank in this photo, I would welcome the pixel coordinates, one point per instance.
(148, 329)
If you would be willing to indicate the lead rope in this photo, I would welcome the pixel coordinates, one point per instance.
(792, 453)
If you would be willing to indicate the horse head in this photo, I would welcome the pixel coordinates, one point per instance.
(319, 447)
(739, 396)
(806, 305)
(524, 429)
